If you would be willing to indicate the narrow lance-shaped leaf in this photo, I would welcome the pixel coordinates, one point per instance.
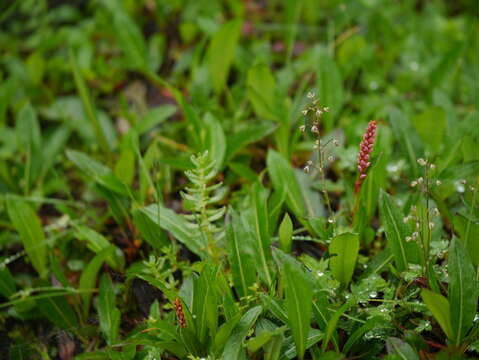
(396, 230)
(344, 250)
(234, 346)
(285, 234)
(261, 231)
(28, 225)
(89, 276)
(299, 298)
(221, 52)
(87, 104)
(241, 255)
(439, 306)
(168, 220)
(400, 348)
(284, 179)
(58, 311)
(462, 291)
(107, 311)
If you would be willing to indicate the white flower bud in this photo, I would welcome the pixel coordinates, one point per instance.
(421, 161)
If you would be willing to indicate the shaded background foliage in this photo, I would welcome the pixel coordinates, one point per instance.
(102, 104)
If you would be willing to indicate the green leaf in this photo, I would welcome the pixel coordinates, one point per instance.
(149, 230)
(98, 172)
(239, 140)
(54, 146)
(221, 52)
(261, 87)
(58, 311)
(285, 234)
(29, 138)
(431, 126)
(439, 306)
(89, 276)
(343, 250)
(129, 37)
(241, 255)
(462, 291)
(234, 346)
(313, 337)
(446, 64)
(261, 231)
(205, 302)
(215, 141)
(108, 313)
(333, 323)
(28, 225)
(469, 235)
(272, 350)
(400, 348)
(96, 242)
(299, 298)
(402, 131)
(283, 179)
(170, 221)
(7, 282)
(330, 87)
(87, 104)
(396, 230)
(359, 333)
(154, 117)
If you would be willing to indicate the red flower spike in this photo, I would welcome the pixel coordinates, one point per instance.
(365, 150)
(179, 312)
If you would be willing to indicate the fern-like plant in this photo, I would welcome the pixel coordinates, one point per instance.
(201, 200)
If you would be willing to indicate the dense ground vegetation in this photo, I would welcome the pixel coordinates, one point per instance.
(239, 179)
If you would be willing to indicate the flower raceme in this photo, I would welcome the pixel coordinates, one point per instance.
(365, 150)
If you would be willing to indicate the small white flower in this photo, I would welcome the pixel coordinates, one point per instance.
(330, 158)
(336, 142)
(438, 182)
(310, 95)
(472, 188)
(431, 225)
(420, 180)
(306, 169)
(415, 235)
(408, 238)
(421, 161)
(406, 219)
(309, 162)
(314, 129)
(463, 181)
(413, 183)
(432, 166)
(302, 128)
(318, 113)
(305, 112)
(326, 109)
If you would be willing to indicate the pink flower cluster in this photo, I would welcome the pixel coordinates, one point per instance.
(365, 149)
